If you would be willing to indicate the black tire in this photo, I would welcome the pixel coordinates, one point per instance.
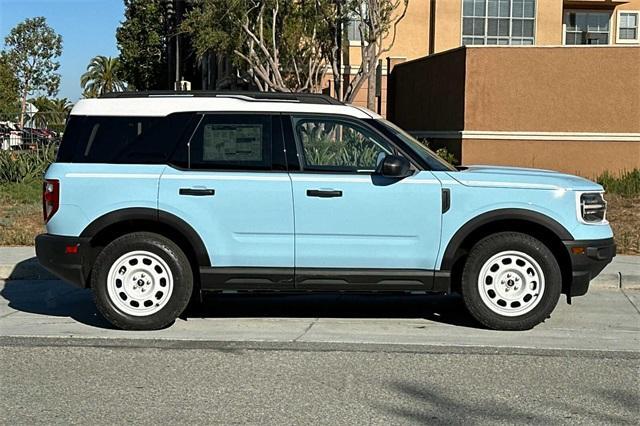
(485, 250)
(167, 251)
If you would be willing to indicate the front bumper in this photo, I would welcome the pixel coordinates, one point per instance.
(56, 254)
(588, 259)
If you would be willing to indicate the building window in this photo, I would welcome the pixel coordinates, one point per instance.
(586, 27)
(354, 22)
(628, 26)
(498, 22)
(353, 30)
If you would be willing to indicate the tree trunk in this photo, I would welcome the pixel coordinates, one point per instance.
(337, 69)
(23, 107)
(371, 82)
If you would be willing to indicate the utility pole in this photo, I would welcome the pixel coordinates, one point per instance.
(169, 28)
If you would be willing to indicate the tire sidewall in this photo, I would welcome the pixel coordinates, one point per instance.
(175, 260)
(490, 246)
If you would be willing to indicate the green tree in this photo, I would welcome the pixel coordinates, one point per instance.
(33, 49)
(142, 40)
(377, 24)
(282, 45)
(103, 76)
(278, 45)
(9, 92)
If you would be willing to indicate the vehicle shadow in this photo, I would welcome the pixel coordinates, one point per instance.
(53, 298)
(432, 307)
(58, 298)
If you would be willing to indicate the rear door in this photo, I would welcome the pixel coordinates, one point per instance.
(355, 227)
(230, 184)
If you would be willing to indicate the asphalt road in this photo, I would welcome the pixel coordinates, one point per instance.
(51, 382)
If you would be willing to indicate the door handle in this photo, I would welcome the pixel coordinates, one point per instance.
(329, 193)
(197, 192)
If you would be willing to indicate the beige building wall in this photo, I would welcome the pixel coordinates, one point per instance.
(413, 36)
(548, 29)
(448, 25)
(416, 39)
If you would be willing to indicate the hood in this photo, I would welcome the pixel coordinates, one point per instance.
(521, 178)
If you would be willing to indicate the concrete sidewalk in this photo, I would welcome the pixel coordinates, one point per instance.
(603, 320)
(19, 263)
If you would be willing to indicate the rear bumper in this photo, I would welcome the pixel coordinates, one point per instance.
(588, 259)
(53, 255)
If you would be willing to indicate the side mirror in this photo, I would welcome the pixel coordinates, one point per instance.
(394, 166)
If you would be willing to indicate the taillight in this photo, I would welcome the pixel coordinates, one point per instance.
(50, 198)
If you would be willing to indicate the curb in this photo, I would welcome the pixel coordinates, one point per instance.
(31, 270)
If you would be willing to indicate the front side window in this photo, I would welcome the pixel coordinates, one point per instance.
(334, 145)
(498, 22)
(231, 142)
(628, 27)
(586, 27)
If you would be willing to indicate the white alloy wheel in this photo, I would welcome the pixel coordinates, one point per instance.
(139, 283)
(511, 283)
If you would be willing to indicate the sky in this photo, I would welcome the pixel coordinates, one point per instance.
(87, 27)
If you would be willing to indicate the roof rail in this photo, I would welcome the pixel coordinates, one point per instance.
(307, 98)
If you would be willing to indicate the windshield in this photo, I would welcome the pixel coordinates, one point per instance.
(431, 158)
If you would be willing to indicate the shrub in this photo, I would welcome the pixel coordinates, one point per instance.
(26, 165)
(626, 185)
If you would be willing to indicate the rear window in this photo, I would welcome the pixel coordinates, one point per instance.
(125, 140)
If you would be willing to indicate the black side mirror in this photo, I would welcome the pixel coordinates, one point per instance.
(394, 166)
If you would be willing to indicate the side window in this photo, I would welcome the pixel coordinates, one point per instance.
(105, 139)
(232, 142)
(335, 145)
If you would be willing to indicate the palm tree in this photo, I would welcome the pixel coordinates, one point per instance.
(102, 76)
(51, 112)
(60, 109)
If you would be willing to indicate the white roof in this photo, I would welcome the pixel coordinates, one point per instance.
(162, 106)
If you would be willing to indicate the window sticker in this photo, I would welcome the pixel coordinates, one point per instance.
(223, 142)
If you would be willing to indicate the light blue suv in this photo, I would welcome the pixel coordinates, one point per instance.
(156, 197)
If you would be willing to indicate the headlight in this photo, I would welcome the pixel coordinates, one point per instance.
(592, 207)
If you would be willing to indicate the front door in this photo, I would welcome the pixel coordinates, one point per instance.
(231, 186)
(352, 225)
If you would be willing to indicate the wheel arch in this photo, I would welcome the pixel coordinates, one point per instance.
(114, 224)
(535, 224)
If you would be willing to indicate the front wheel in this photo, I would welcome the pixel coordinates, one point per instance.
(511, 281)
(142, 281)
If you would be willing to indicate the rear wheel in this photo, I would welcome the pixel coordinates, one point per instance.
(142, 281)
(511, 281)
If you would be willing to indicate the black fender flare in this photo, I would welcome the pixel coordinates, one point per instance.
(151, 215)
(465, 230)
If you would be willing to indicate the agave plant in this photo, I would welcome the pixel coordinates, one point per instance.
(25, 166)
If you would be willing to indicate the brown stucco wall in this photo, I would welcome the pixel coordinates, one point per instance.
(566, 89)
(549, 92)
(428, 93)
(584, 158)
